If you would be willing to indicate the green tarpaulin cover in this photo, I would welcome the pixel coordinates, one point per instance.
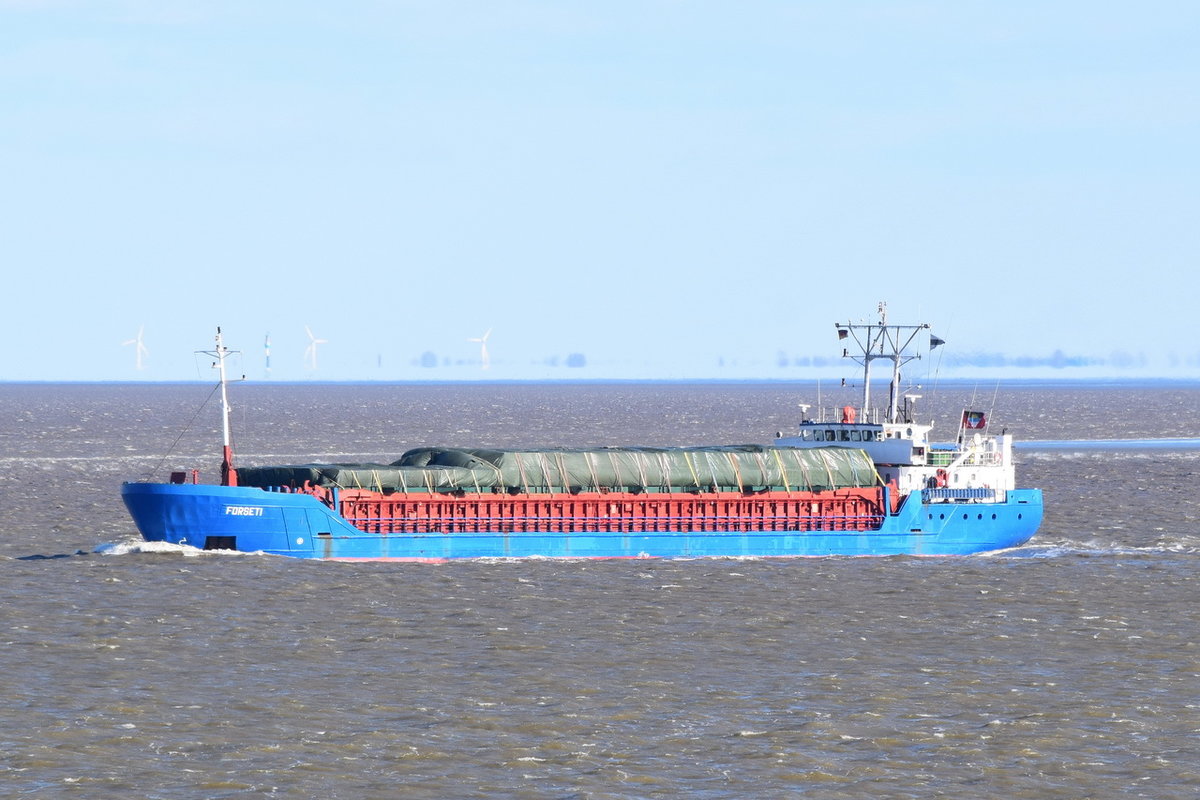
(740, 467)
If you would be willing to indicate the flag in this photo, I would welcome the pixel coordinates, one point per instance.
(974, 419)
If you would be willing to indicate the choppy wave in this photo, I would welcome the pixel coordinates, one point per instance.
(139, 547)
(1061, 668)
(1062, 549)
(1179, 443)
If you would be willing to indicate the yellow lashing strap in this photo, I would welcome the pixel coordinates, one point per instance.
(691, 468)
(787, 483)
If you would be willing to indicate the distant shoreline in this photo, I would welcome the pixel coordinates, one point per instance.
(1064, 380)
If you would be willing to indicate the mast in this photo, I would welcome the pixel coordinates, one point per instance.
(881, 340)
(228, 472)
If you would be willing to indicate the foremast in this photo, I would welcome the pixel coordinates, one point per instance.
(228, 472)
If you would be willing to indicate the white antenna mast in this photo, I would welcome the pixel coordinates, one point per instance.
(228, 473)
(881, 340)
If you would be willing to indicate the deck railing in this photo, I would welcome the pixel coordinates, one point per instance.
(976, 458)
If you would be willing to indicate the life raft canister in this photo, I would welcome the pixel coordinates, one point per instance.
(849, 414)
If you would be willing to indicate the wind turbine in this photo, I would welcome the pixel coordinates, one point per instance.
(310, 352)
(484, 361)
(139, 349)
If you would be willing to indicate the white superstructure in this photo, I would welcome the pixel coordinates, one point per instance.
(976, 467)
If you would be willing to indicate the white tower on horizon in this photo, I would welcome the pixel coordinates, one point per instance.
(310, 352)
(484, 359)
(139, 349)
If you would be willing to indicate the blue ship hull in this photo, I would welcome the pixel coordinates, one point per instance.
(253, 520)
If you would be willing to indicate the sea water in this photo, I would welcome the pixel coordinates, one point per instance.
(1066, 668)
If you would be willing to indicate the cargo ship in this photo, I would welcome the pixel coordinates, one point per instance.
(849, 481)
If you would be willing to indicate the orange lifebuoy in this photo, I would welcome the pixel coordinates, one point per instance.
(943, 478)
(849, 414)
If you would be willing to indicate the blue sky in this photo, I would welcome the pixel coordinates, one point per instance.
(673, 189)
